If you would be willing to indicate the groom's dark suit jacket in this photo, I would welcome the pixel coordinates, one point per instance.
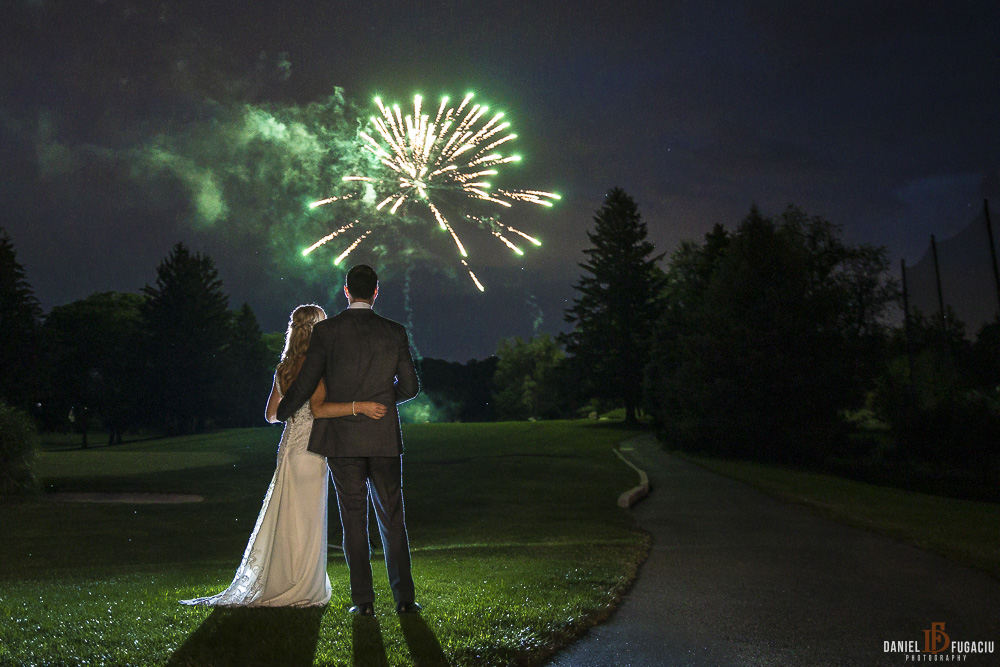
(362, 357)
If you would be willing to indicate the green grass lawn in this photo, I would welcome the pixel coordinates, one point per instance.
(962, 530)
(517, 543)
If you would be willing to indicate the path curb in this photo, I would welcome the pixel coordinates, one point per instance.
(629, 498)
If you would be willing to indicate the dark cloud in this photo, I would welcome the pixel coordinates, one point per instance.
(124, 125)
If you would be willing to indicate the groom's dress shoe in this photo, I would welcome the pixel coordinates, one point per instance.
(365, 609)
(408, 608)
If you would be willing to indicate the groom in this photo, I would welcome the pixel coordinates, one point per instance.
(363, 357)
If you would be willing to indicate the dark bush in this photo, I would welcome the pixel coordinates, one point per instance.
(18, 449)
(961, 431)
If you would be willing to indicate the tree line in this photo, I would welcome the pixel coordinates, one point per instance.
(171, 358)
(774, 341)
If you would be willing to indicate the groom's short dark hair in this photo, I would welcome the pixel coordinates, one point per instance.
(362, 281)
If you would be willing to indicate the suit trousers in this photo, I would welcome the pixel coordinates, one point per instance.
(380, 477)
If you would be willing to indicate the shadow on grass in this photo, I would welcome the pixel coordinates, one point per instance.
(369, 648)
(367, 644)
(262, 636)
(425, 650)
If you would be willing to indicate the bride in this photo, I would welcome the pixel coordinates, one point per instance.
(285, 561)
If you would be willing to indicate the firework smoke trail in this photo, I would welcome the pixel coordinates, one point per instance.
(532, 303)
(427, 160)
(408, 306)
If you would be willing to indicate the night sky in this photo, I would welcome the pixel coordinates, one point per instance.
(126, 127)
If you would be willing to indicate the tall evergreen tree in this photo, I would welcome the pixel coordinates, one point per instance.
(187, 328)
(249, 366)
(619, 298)
(20, 314)
(688, 275)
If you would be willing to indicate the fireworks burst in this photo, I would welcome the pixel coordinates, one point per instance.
(430, 161)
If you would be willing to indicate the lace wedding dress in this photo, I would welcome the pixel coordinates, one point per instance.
(284, 564)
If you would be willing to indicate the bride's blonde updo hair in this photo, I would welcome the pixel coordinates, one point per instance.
(300, 326)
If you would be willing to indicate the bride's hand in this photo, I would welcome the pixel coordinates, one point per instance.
(371, 409)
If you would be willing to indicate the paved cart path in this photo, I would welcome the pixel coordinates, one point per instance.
(737, 578)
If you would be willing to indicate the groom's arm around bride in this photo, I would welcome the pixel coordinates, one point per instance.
(404, 383)
(362, 356)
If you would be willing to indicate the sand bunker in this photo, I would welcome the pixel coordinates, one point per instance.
(134, 498)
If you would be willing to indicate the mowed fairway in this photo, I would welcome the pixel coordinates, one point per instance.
(517, 546)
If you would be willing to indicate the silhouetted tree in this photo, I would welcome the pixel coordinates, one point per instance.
(941, 363)
(248, 366)
(761, 360)
(986, 355)
(96, 347)
(619, 299)
(942, 404)
(688, 275)
(20, 314)
(525, 383)
(186, 318)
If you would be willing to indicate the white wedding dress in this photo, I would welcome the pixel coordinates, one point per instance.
(284, 564)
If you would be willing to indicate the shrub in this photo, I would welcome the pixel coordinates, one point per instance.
(961, 431)
(18, 449)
